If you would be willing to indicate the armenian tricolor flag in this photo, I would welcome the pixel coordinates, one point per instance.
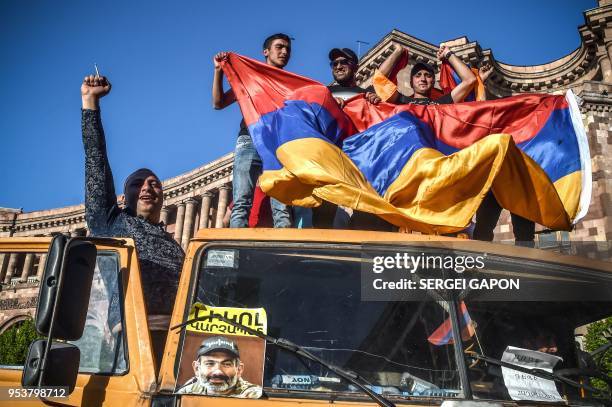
(443, 335)
(426, 168)
(449, 79)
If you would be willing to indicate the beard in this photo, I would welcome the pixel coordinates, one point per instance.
(344, 78)
(218, 388)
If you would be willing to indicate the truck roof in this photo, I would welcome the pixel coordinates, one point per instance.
(365, 237)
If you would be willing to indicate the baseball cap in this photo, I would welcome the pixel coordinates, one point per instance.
(343, 52)
(218, 343)
(420, 66)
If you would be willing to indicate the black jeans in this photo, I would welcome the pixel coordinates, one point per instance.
(487, 217)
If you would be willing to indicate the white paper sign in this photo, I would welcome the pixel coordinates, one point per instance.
(221, 258)
(523, 386)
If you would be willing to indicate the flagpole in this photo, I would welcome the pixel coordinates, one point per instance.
(359, 47)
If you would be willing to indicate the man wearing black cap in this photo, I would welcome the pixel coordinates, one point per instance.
(423, 78)
(343, 62)
(160, 256)
(218, 371)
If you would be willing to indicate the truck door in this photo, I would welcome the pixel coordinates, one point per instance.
(116, 363)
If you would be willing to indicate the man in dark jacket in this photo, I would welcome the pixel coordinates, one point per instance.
(160, 257)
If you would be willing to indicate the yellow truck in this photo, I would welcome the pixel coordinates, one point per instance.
(353, 318)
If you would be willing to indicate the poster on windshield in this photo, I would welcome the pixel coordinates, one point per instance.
(523, 386)
(221, 359)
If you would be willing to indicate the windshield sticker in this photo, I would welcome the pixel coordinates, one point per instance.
(219, 359)
(222, 258)
(204, 321)
(307, 382)
(523, 386)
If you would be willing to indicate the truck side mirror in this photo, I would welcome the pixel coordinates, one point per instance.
(62, 367)
(69, 268)
(48, 285)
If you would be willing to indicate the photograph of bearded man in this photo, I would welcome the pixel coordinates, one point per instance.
(218, 371)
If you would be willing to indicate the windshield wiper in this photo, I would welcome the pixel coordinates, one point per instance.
(300, 351)
(535, 372)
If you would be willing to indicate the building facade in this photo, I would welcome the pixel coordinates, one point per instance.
(199, 199)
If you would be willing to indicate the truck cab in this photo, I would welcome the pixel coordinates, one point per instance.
(318, 290)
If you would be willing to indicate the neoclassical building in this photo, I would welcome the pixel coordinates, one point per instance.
(199, 198)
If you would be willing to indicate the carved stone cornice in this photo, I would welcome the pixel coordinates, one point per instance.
(219, 169)
(567, 72)
(570, 71)
(48, 219)
(596, 97)
(8, 217)
(18, 303)
(598, 19)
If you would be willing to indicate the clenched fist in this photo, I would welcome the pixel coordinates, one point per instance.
(220, 57)
(485, 71)
(92, 89)
(372, 98)
(95, 86)
(443, 52)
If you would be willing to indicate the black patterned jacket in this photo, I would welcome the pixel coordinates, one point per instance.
(159, 255)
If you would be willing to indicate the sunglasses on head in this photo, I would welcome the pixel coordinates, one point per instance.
(339, 62)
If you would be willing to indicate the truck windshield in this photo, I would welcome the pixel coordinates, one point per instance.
(312, 297)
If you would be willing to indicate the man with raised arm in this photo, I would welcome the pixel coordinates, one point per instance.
(247, 162)
(423, 78)
(159, 255)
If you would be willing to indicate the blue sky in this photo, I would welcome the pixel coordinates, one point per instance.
(158, 55)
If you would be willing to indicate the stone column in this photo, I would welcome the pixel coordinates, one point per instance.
(27, 267)
(213, 217)
(163, 216)
(606, 64)
(205, 209)
(180, 219)
(196, 222)
(41, 266)
(4, 258)
(189, 220)
(12, 265)
(222, 205)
